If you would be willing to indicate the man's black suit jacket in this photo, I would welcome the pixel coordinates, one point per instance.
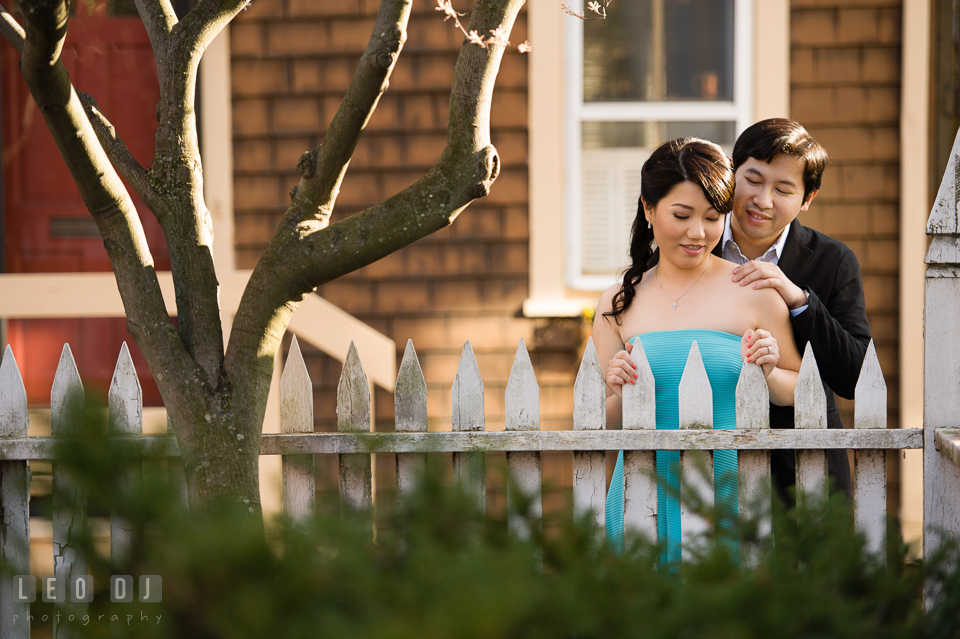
(835, 325)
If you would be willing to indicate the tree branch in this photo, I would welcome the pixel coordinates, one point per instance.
(159, 19)
(12, 31)
(177, 173)
(322, 169)
(117, 151)
(109, 204)
(305, 253)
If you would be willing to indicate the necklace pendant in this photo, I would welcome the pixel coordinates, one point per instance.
(675, 306)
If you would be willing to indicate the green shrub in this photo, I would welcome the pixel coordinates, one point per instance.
(439, 569)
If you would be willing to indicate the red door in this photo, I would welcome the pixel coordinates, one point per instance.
(47, 228)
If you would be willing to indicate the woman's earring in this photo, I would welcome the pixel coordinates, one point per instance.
(648, 224)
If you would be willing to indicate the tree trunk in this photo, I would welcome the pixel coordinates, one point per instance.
(216, 398)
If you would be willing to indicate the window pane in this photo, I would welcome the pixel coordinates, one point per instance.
(613, 154)
(655, 50)
(609, 135)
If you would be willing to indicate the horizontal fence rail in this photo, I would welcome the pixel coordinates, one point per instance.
(947, 442)
(43, 448)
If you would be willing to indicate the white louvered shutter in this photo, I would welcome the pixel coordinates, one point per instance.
(610, 189)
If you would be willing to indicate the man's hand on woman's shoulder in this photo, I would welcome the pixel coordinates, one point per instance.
(760, 275)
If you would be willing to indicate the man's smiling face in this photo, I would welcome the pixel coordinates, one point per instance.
(768, 197)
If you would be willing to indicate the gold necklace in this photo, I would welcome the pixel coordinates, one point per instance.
(676, 300)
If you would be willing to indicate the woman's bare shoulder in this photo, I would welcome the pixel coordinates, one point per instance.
(765, 302)
(723, 277)
(606, 298)
(768, 302)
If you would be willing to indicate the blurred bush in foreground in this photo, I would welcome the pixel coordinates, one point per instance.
(439, 569)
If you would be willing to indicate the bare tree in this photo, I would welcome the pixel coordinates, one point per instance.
(216, 397)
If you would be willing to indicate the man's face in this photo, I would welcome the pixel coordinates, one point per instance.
(768, 197)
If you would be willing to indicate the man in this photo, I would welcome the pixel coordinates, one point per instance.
(778, 169)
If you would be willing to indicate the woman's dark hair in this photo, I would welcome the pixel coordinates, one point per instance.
(767, 139)
(682, 160)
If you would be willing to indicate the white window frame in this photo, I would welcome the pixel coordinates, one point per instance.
(739, 110)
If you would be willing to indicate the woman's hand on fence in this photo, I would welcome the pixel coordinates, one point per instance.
(621, 370)
(760, 347)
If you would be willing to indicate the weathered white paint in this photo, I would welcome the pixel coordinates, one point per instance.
(353, 416)
(31, 448)
(941, 477)
(810, 412)
(870, 466)
(522, 413)
(640, 398)
(522, 396)
(695, 398)
(753, 466)
(589, 414)
(694, 393)
(296, 416)
(125, 407)
(947, 443)
(752, 399)
(69, 499)
(560, 440)
(14, 500)
(410, 410)
(469, 469)
(640, 467)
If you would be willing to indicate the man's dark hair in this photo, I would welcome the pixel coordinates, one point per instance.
(767, 139)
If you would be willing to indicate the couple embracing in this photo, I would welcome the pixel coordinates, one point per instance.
(736, 272)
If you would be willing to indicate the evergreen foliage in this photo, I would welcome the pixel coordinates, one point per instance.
(440, 569)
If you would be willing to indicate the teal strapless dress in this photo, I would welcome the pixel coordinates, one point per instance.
(667, 352)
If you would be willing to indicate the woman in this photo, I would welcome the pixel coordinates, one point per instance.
(689, 295)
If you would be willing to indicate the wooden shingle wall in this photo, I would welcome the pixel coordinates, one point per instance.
(292, 62)
(845, 88)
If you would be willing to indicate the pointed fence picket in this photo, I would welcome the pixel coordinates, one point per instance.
(696, 467)
(640, 466)
(589, 414)
(469, 468)
(753, 466)
(522, 413)
(353, 416)
(410, 413)
(870, 465)
(14, 501)
(125, 409)
(468, 441)
(810, 412)
(69, 500)
(296, 416)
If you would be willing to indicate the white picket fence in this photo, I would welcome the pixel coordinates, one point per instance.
(467, 442)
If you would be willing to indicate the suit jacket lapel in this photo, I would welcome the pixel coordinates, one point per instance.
(796, 252)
